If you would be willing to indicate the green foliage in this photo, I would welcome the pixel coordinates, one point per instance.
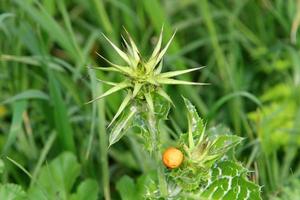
(12, 192)
(57, 179)
(289, 191)
(251, 49)
(277, 122)
(204, 168)
(141, 188)
(228, 180)
(201, 151)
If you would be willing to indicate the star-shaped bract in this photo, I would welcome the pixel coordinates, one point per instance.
(142, 77)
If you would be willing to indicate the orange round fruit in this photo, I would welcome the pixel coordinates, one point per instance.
(172, 157)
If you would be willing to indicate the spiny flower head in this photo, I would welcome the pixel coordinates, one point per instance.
(142, 78)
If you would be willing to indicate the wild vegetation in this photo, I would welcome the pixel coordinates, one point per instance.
(56, 146)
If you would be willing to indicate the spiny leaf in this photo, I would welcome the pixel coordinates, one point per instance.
(135, 50)
(177, 73)
(164, 50)
(228, 181)
(122, 107)
(224, 143)
(131, 54)
(119, 51)
(162, 93)
(159, 68)
(195, 123)
(158, 45)
(149, 101)
(136, 89)
(120, 127)
(119, 68)
(114, 89)
(107, 82)
(153, 60)
(169, 81)
(110, 69)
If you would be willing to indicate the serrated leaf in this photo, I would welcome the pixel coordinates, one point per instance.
(195, 124)
(223, 143)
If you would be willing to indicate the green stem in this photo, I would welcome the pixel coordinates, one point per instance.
(154, 131)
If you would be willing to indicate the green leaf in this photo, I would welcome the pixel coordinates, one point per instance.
(177, 73)
(49, 25)
(121, 126)
(149, 101)
(223, 143)
(116, 67)
(170, 81)
(229, 181)
(161, 107)
(56, 179)
(158, 45)
(136, 89)
(12, 192)
(164, 50)
(28, 94)
(162, 93)
(19, 108)
(127, 188)
(119, 51)
(144, 187)
(2, 166)
(135, 51)
(122, 107)
(112, 90)
(195, 125)
(62, 123)
(88, 189)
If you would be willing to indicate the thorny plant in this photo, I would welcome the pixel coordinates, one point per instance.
(206, 172)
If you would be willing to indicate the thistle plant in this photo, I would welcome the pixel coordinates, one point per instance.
(198, 173)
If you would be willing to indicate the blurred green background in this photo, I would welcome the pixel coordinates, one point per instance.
(251, 51)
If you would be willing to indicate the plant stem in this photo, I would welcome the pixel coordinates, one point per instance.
(154, 131)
